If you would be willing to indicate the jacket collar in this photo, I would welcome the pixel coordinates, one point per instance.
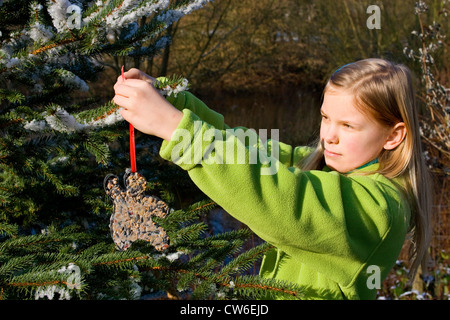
(369, 166)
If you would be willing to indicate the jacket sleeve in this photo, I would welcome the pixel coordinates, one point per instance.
(186, 100)
(330, 221)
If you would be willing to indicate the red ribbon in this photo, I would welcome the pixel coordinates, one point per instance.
(132, 145)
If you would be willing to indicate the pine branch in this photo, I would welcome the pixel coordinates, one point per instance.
(199, 208)
(12, 96)
(261, 288)
(8, 230)
(60, 43)
(14, 264)
(187, 235)
(64, 189)
(244, 261)
(97, 148)
(97, 114)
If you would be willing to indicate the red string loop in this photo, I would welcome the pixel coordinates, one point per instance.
(132, 144)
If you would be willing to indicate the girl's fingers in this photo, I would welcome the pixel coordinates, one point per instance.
(131, 93)
(125, 113)
(121, 101)
(128, 88)
(135, 77)
(134, 73)
(133, 83)
(119, 79)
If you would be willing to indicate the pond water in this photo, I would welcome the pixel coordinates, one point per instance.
(295, 113)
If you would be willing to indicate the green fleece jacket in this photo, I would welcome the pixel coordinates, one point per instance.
(336, 235)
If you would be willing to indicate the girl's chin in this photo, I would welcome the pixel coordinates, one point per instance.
(333, 165)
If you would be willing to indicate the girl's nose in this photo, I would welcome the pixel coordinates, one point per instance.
(331, 136)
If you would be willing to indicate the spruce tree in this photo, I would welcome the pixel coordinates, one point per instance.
(59, 140)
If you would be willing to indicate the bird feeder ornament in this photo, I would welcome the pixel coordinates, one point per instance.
(133, 210)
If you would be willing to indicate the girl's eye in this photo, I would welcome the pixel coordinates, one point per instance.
(348, 125)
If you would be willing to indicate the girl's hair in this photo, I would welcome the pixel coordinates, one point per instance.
(384, 91)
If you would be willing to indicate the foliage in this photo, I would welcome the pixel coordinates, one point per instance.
(435, 285)
(58, 138)
(58, 142)
(434, 96)
(426, 49)
(286, 43)
(71, 263)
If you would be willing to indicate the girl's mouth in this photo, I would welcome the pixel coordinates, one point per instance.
(331, 154)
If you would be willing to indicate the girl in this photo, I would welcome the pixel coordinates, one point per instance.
(337, 215)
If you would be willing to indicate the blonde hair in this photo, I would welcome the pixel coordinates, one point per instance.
(384, 91)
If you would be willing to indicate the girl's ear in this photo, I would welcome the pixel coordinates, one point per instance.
(396, 136)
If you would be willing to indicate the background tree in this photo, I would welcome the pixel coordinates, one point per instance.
(59, 140)
(287, 42)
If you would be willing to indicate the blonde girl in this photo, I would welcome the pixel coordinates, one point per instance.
(337, 215)
(385, 92)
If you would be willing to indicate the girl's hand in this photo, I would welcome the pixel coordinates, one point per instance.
(134, 73)
(144, 107)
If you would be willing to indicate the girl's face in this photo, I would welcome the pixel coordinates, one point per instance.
(349, 137)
